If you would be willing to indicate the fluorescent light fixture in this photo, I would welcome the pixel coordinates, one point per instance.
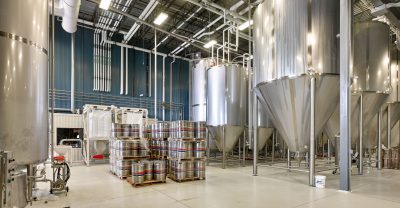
(104, 4)
(209, 44)
(245, 25)
(160, 18)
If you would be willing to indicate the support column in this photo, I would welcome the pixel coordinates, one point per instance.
(312, 134)
(379, 146)
(360, 142)
(244, 149)
(345, 93)
(273, 146)
(255, 137)
(223, 149)
(389, 127)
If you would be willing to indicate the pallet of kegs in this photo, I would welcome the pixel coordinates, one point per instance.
(200, 130)
(145, 171)
(128, 148)
(186, 170)
(186, 149)
(182, 129)
(125, 130)
(159, 147)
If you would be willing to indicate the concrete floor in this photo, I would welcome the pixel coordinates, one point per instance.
(234, 187)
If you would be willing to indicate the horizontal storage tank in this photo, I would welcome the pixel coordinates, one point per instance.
(370, 81)
(24, 80)
(294, 40)
(226, 104)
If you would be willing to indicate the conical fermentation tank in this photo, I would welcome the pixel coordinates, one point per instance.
(370, 78)
(264, 128)
(226, 104)
(293, 42)
(24, 80)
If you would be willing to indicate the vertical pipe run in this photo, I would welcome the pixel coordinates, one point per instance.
(122, 72)
(155, 73)
(329, 149)
(53, 102)
(73, 72)
(312, 134)
(126, 71)
(345, 93)
(163, 89)
(170, 90)
(379, 151)
(389, 127)
(149, 81)
(360, 142)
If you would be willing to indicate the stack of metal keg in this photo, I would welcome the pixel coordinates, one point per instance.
(148, 171)
(187, 150)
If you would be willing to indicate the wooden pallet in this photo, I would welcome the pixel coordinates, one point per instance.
(130, 157)
(172, 177)
(130, 181)
(186, 159)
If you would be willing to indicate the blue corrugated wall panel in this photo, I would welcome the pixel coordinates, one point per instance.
(138, 67)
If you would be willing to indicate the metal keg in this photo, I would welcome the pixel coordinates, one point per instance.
(137, 172)
(200, 130)
(184, 149)
(111, 144)
(180, 170)
(172, 148)
(163, 148)
(159, 170)
(135, 148)
(199, 149)
(163, 130)
(199, 169)
(123, 144)
(182, 129)
(116, 130)
(134, 131)
(148, 170)
(156, 147)
(123, 168)
(189, 169)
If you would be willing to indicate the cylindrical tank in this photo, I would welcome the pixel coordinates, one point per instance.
(294, 41)
(371, 57)
(23, 79)
(226, 103)
(199, 89)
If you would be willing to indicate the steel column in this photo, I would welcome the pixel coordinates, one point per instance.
(360, 142)
(379, 150)
(255, 137)
(312, 134)
(389, 127)
(345, 93)
(223, 149)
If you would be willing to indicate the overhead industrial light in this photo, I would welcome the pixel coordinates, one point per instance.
(245, 25)
(104, 4)
(209, 44)
(160, 18)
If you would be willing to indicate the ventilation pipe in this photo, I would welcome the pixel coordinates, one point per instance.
(126, 70)
(70, 15)
(170, 89)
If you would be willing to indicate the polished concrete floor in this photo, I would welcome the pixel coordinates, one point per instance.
(232, 187)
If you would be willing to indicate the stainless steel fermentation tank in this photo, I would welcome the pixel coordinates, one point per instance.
(370, 86)
(23, 79)
(296, 68)
(264, 128)
(226, 104)
(291, 41)
(370, 83)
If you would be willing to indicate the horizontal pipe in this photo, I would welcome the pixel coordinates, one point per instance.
(181, 38)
